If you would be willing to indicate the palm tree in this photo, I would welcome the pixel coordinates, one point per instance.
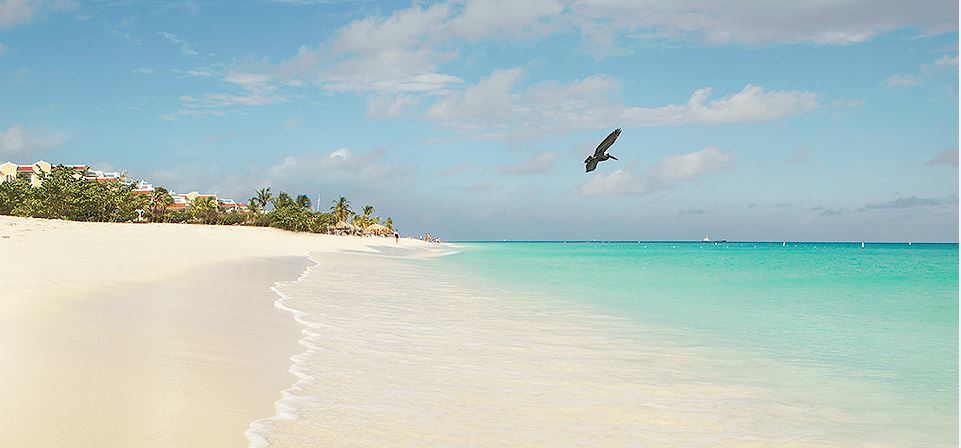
(389, 223)
(159, 200)
(283, 200)
(341, 209)
(303, 201)
(263, 198)
(358, 221)
(253, 205)
(206, 209)
(365, 220)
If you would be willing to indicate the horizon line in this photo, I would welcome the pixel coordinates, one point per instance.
(703, 242)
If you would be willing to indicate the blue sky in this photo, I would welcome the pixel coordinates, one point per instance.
(471, 119)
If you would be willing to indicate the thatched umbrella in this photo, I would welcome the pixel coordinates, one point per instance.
(342, 226)
(377, 229)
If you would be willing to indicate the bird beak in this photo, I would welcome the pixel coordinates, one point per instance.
(615, 158)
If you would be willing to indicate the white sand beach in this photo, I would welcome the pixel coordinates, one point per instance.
(148, 335)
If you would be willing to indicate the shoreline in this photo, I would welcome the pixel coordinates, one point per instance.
(151, 335)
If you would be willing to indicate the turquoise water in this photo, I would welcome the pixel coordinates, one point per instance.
(873, 331)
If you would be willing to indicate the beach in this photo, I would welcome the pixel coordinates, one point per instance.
(148, 335)
(191, 335)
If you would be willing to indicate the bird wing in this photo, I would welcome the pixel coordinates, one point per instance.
(607, 143)
(591, 164)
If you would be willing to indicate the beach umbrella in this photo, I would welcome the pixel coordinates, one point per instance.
(377, 229)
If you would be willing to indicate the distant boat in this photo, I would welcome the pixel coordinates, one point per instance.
(706, 239)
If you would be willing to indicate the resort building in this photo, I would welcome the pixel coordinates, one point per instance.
(231, 205)
(33, 173)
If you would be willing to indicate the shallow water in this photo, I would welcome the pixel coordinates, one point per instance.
(643, 344)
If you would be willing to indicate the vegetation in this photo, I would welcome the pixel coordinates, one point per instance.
(65, 194)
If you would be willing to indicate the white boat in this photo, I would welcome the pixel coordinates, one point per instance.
(706, 239)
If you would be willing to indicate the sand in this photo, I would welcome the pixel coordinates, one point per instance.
(149, 335)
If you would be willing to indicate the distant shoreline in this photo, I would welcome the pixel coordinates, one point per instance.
(704, 242)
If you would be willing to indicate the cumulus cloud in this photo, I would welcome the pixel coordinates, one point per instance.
(18, 141)
(493, 18)
(947, 157)
(670, 171)
(488, 101)
(541, 162)
(589, 103)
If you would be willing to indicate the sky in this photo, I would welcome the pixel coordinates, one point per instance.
(471, 119)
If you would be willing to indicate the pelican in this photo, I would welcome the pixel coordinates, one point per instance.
(600, 154)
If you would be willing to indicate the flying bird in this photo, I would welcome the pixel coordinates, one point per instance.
(600, 154)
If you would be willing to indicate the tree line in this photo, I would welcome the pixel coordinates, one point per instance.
(65, 194)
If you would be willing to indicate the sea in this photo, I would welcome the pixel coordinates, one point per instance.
(627, 343)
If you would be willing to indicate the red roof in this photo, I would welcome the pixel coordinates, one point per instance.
(24, 168)
(177, 206)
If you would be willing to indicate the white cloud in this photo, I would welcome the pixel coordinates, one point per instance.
(750, 104)
(341, 168)
(391, 107)
(249, 81)
(18, 141)
(406, 28)
(759, 22)
(541, 162)
(185, 47)
(499, 18)
(670, 171)
(218, 104)
(15, 12)
(901, 81)
(590, 103)
(488, 101)
(143, 71)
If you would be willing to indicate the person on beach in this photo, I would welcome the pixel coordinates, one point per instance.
(396, 237)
